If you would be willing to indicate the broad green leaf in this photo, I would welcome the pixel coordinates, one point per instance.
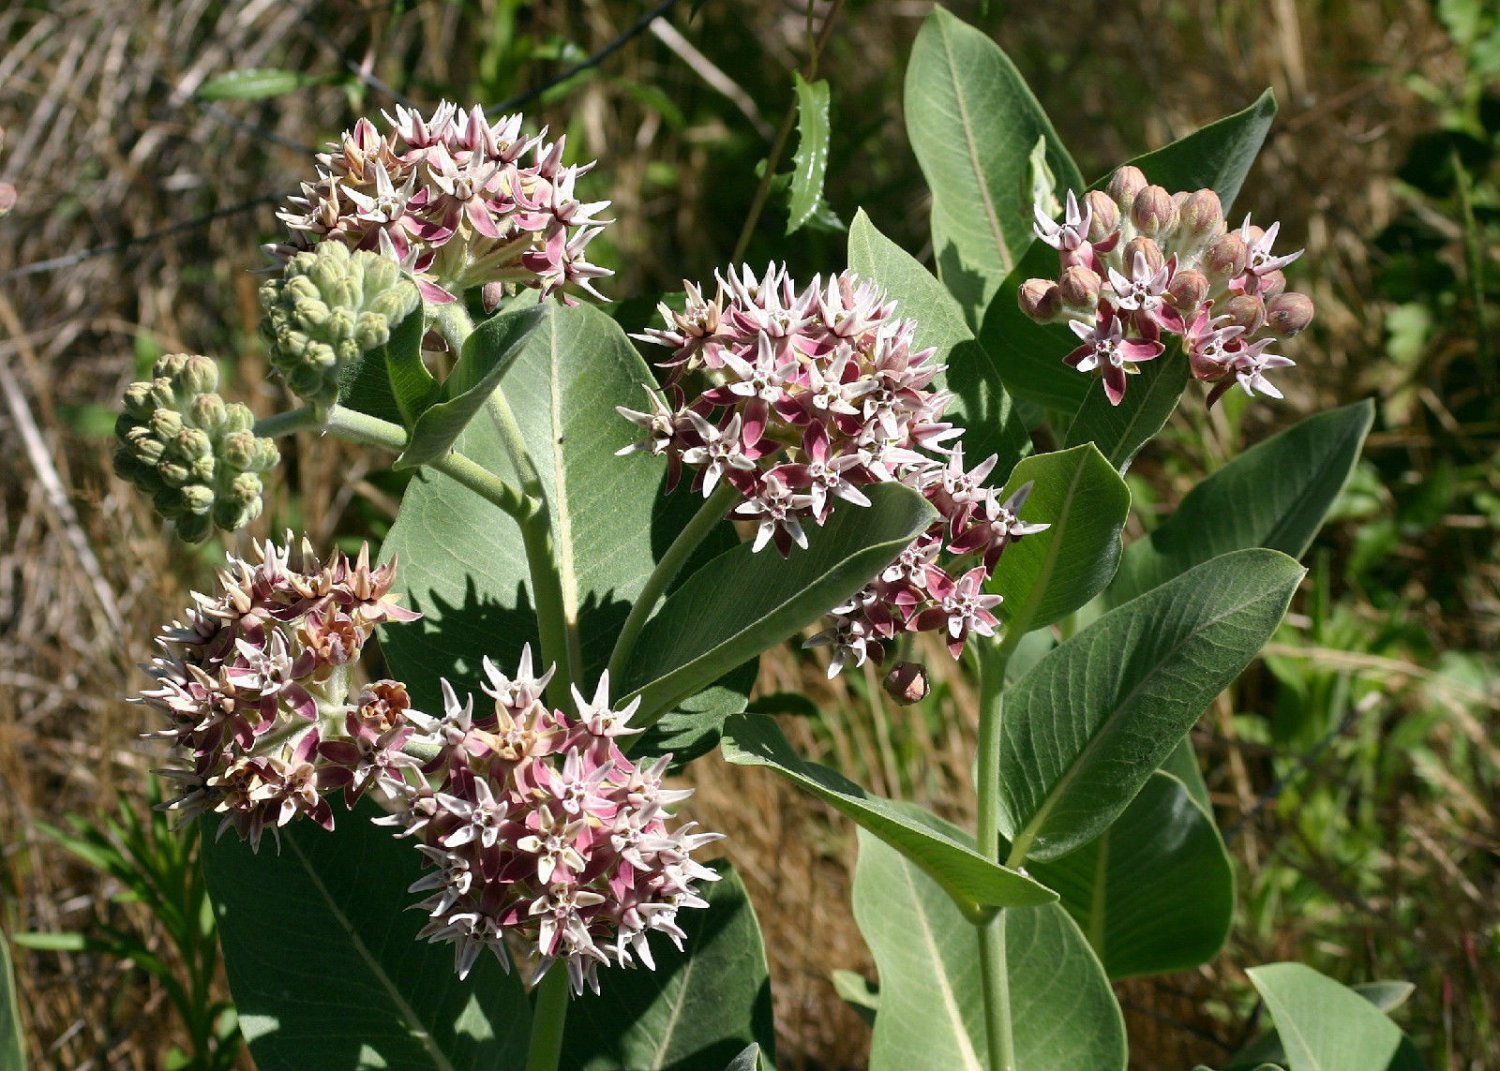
(325, 966)
(257, 84)
(980, 405)
(1050, 574)
(1275, 495)
(694, 727)
(754, 740)
(1262, 1067)
(1324, 1026)
(1183, 765)
(462, 563)
(810, 162)
(12, 1054)
(698, 1009)
(747, 1060)
(973, 123)
(1063, 1014)
(388, 382)
(1084, 730)
(1267, 1047)
(487, 353)
(1029, 355)
(1119, 431)
(1154, 893)
(741, 603)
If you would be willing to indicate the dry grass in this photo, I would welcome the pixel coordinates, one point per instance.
(105, 145)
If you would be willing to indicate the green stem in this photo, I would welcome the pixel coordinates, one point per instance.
(996, 981)
(709, 514)
(547, 1020)
(278, 424)
(990, 932)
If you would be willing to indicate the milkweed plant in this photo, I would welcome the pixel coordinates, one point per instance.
(479, 858)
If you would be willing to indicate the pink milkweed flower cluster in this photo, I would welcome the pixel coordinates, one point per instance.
(254, 683)
(455, 200)
(1139, 264)
(798, 399)
(543, 831)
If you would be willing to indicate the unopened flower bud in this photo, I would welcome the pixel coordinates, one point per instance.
(906, 683)
(166, 424)
(190, 444)
(1200, 216)
(1225, 258)
(191, 527)
(1148, 248)
(1289, 313)
(138, 401)
(1188, 289)
(1079, 287)
(1153, 212)
(1124, 185)
(195, 498)
(193, 373)
(1104, 218)
(1039, 299)
(1245, 310)
(208, 412)
(1270, 284)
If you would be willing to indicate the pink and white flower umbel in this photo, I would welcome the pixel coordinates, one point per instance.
(541, 831)
(456, 200)
(254, 683)
(801, 399)
(1137, 262)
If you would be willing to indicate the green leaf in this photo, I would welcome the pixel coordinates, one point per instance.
(694, 727)
(462, 563)
(1325, 1026)
(698, 1009)
(747, 1060)
(1050, 574)
(258, 83)
(973, 122)
(741, 603)
(1084, 730)
(325, 966)
(856, 991)
(1029, 354)
(1275, 495)
(487, 354)
(12, 1054)
(64, 941)
(810, 162)
(980, 405)
(967, 876)
(1119, 431)
(1386, 995)
(1154, 893)
(1063, 1014)
(390, 381)
(1183, 765)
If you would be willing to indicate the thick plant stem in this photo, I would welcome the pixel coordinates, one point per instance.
(990, 932)
(709, 514)
(547, 1020)
(996, 982)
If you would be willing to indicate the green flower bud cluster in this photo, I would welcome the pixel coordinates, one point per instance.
(329, 307)
(196, 455)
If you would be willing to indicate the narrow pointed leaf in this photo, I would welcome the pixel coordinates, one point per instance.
(699, 1008)
(1119, 431)
(1154, 893)
(1324, 1026)
(973, 123)
(741, 603)
(1275, 495)
(1029, 355)
(462, 563)
(980, 406)
(810, 162)
(327, 972)
(856, 991)
(257, 83)
(1050, 574)
(1063, 1015)
(1087, 726)
(487, 354)
(753, 740)
(12, 1054)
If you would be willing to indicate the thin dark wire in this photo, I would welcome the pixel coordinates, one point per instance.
(1270, 795)
(367, 77)
(70, 259)
(635, 30)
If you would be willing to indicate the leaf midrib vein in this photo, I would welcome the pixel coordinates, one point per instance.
(972, 150)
